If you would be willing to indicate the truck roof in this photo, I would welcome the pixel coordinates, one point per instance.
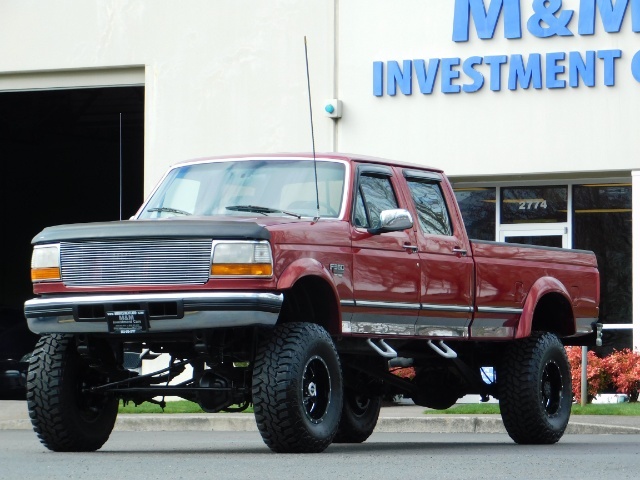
(349, 157)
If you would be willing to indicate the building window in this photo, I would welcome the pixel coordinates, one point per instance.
(478, 208)
(546, 204)
(602, 223)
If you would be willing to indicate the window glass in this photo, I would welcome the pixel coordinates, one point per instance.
(478, 209)
(289, 185)
(546, 204)
(602, 224)
(181, 195)
(360, 218)
(431, 207)
(375, 194)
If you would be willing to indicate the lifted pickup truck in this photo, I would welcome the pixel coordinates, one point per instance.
(292, 282)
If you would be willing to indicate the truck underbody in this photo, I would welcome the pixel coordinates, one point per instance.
(231, 369)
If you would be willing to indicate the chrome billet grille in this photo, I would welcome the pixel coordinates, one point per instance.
(136, 262)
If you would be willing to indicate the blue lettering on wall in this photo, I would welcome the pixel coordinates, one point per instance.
(522, 72)
(486, 20)
(449, 74)
(612, 16)
(549, 17)
(399, 76)
(582, 68)
(609, 57)
(473, 74)
(545, 14)
(495, 61)
(635, 66)
(553, 70)
(525, 75)
(378, 71)
(426, 75)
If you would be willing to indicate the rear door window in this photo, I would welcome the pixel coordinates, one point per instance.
(430, 206)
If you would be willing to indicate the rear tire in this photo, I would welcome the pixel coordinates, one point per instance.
(65, 418)
(297, 389)
(359, 417)
(535, 394)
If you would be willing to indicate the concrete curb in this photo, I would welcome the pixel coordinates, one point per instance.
(17, 424)
(185, 422)
(590, 428)
(426, 424)
(246, 423)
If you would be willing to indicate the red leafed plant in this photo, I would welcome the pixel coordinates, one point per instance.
(404, 372)
(620, 369)
(597, 375)
(623, 367)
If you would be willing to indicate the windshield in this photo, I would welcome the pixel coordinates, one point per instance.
(250, 187)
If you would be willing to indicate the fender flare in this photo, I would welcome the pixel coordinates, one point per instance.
(310, 267)
(542, 287)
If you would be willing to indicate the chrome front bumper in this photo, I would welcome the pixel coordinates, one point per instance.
(188, 311)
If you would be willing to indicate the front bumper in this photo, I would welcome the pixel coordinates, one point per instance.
(167, 312)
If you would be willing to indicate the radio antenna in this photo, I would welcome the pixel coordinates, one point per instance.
(313, 142)
(120, 146)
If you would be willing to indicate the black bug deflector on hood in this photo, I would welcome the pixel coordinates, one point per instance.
(218, 229)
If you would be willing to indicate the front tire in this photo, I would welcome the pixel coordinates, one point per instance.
(297, 389)
(64, 416)
(534, 383)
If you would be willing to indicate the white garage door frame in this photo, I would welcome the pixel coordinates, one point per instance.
(72, 78)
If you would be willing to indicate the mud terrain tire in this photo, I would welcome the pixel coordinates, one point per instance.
(64, 418)
(535, 395)
(297, 389)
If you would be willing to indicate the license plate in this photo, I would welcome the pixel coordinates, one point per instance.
(127, 321)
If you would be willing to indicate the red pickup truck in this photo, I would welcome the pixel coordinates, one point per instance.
(294, 283)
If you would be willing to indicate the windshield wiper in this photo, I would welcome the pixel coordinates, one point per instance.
(167, 209)
(262, 210)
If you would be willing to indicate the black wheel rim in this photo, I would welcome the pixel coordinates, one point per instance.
(316, 389)
(359, 404)
(551, 388)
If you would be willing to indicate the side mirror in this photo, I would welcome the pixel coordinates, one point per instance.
(393, 221)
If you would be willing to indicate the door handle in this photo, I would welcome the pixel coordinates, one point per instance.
(411, 248)
(461, 251)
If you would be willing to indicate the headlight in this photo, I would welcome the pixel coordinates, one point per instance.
(243, 259)
(45, 263)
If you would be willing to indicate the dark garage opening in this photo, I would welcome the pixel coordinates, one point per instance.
(60, 152)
